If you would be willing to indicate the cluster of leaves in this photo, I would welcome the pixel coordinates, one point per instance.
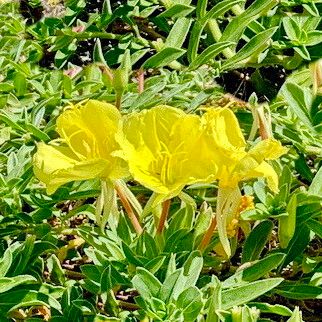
(55, 262)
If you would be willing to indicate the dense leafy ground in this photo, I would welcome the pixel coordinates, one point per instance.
(62, 260)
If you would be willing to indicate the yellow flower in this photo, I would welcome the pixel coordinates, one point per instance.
(88, 135)
(228, 147)
(165, 150)
(235, 164)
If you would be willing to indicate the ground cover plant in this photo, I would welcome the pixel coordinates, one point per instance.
(160, 160)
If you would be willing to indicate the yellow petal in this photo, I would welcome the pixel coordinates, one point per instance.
(224, 128)
(253, 164)
(163, 147)
(264, 170)
(269, 149)
(56, 166)
(89, 130)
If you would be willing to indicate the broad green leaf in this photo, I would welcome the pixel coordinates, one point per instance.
(297, 244)
(315, 226)
(190, 302)
(300, 291)
(300, 100)
(173, 285)
(177, 11)
(21, 298)
(192, 268)
(7, 283)
(256, 241)
(257, 270)
(314, 38)
(292, 28)
(236, 27)
(146, 283)
(243, 294)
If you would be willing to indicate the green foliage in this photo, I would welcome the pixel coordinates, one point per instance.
(56, 262)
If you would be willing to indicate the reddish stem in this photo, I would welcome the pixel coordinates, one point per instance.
(206, 238)
(128, 208)
(141, 80)
(164, 215)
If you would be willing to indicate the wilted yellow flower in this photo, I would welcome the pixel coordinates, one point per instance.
(235, 164)
(165, 150)
(87, 134)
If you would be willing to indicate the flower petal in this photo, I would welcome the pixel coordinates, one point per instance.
(223, 126)
(56, 166)
(90, 129)
(265, 170)
(163, 147)
(269, 149)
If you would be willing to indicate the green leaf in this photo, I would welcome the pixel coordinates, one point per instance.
(214, 300)
(292, 28)
(7, 283)
(257, 270)
(192, 268)
(315, 226)
(272, 309)
(218, 10)
(6, 261)
(287, 224)
(178, 33)
(243, 294)
(201, 8)
(236, 27)
(177, 11)
(256, 241)
(300, 100)
(315, 187)
(190, 302)
(173, 285)
(300, 291)
(256, 45)
(297, 244)
(164, 57)
(146, 283)
(21, 298)
(296, 316)
(314, 38)
(210, 53)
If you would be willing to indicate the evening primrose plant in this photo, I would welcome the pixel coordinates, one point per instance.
(164, 149)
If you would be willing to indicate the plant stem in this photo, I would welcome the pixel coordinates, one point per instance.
(127, 305)
(129, 210)
(141, 80)
(206, 238)
(164, 215)
(118, 100)
(216, 34)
